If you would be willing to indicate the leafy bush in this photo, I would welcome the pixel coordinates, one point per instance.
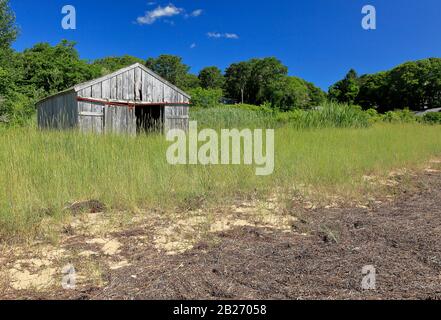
(400, 116)
(205, 98)
(432, 118)
(251, 107)
(373, 116)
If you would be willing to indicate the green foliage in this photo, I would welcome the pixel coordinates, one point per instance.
(373, 116)
(36, 73)
(112, 64)
(373, 90)
(190, 82)
(259, 81)
(53, 68)
(171, 68)
(264, 73)
(205, 98)
(237, 77)
(287, 93)
(249, 81)
(415, 84)
(15, 107)
(346, 90)
(211, 78)
(8, 28)
(432, 118)
(251, 107)
(316, 95)
(399, 116)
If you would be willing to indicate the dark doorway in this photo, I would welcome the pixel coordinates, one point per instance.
(149, 119)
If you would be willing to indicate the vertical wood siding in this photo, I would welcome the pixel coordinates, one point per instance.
(59, 112)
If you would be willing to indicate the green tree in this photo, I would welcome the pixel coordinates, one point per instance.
(191, 81)
(112, 64)
(316, 95)
(237, 78)
(416, 85)
(171, 68)
(8, 34)
(288, 93)
(264, 72)
(53, 68)
(211, 78)
(8, 28)
(205, 98)
(346, 90)
(373, 91)
(248, 81)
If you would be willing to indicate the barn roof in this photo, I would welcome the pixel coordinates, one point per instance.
(83, 85)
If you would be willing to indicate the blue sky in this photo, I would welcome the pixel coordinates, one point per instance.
(319, 40)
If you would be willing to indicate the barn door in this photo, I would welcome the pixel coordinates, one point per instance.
(92, 121)
(176, 118)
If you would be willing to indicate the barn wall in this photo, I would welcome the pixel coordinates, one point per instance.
(133, 85)
(176, 118)
(58, 112)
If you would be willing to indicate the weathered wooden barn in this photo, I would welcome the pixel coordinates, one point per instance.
(129, 101)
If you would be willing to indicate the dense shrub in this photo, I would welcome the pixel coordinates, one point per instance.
(432, 118)
(373, 116)
(205, 98)
(251, 107)
(400, 116)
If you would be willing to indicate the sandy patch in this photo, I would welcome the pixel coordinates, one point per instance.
(25, 280)
(37, 274)
(88, 254)
(119, 265)
(187, 230)
(109, 247)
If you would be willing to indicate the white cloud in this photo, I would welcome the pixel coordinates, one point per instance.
(231, 36)
(196, 13)
(217, 35)
(151, 17)
(193, 45)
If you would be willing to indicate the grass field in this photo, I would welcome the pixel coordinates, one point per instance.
(42, 172)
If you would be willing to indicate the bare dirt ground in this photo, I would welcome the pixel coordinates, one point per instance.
(316, 253)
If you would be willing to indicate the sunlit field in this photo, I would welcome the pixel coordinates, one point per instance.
(42, 172)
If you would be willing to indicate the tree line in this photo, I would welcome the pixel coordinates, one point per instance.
(415, 85)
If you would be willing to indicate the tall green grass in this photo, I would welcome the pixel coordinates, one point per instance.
(41, 172)
(233, 117)
(331, 115)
